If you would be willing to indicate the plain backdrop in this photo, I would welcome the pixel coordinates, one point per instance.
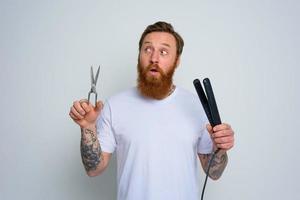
(249, 50)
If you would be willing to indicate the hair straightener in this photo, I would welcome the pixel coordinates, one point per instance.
(211, 110)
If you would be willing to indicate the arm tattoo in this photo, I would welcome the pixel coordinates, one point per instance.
(218, 164)
(91, 152)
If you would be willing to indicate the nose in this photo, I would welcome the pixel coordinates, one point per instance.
(154, 57)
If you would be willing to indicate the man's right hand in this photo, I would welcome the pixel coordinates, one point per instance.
(84, 113)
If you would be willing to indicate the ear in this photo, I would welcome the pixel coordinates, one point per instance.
(177, 61)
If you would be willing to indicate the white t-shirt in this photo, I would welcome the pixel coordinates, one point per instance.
(156, 144)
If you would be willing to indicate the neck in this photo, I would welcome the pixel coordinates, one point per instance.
(171, 90)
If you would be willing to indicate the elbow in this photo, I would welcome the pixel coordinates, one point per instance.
(92, 173)
(96, 172)
(214, 178)
(216, 175)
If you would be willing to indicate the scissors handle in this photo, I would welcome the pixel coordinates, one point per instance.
(90, 92)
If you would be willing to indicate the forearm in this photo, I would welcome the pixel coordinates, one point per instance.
(218, 164)
(91, 152)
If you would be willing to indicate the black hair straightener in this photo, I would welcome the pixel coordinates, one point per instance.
(210, 107)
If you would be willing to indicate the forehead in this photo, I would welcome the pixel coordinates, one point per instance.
(160, 38)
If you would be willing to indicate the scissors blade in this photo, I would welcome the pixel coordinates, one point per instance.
(92, 76)
(97, 74)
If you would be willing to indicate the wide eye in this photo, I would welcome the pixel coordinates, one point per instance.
(163, 52)
(148, 50)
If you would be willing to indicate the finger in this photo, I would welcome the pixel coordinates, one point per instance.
(73, 116)
(209, 128)
(221, 127)
(86, 107)
(222, 140)
(225, 146)
(83, 100)
(223, 133)
(78, 108)
(87, 102)
(76, 113)
(99, 106)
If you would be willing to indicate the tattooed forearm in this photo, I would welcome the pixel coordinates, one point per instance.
(218, 164)
(91, 153)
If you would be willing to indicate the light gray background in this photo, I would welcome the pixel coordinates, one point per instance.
(249, 49)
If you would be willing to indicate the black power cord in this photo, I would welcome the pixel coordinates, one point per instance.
(207, 171)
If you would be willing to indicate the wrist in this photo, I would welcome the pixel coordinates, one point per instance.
(214, 148)
(89, 126)
(218, 150)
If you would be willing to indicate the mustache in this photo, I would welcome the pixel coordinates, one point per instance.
(154, 67)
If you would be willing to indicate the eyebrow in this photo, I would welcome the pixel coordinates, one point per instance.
(164, 44)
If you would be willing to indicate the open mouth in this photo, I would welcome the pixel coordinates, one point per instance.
(153, 70)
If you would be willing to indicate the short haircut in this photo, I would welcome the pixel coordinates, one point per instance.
(163, 27)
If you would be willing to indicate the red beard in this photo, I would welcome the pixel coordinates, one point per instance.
(155, 86)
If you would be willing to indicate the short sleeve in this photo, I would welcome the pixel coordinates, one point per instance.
(105, 131)
(205, 145)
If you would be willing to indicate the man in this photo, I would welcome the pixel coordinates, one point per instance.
(158, 130)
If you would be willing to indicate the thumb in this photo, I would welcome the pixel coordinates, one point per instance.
(99, 106)
(209, 128)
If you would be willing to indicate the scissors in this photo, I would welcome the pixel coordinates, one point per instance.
(93, 84)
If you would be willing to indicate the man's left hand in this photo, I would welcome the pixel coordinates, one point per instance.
(222, 136)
